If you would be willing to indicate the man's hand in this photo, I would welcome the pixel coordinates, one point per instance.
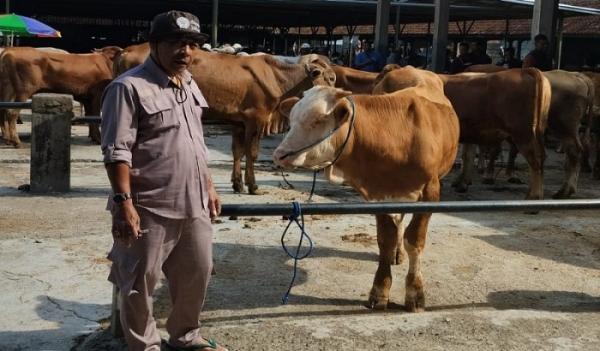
(214, 202)
(126, 224)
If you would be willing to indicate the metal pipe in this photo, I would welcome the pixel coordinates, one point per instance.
(15, 104)
(7, 7)
(409, 207)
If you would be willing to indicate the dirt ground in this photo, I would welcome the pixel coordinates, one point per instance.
(494, 281)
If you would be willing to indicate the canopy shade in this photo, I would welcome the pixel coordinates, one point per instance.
(291, 13)
(13, 24)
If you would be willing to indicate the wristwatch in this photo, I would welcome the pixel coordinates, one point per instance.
(121, 197)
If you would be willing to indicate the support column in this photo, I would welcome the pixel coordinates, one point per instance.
(397, 27)
(382, 23)
(440, 34)
(215, 23)
(559, 43)
(50, 169)
(544, 19)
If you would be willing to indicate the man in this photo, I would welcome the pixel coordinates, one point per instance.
(164, 199)
(479, 56)
(509, 60)
(369, 60)
(539, 57)
(463, 59)
(304, 49)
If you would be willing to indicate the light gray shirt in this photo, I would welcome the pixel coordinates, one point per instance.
(155, 128)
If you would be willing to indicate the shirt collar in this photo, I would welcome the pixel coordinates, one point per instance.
(160, 76)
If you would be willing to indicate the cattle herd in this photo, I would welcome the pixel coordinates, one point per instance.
(391, 136)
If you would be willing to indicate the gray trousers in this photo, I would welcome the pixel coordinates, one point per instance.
(182, 248)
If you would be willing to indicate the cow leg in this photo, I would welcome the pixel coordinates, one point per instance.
(510, 165)
(572, 148)
(13, 135)
(534, 153)
(252, 147)
(462, 182)
(94, 133)
(488, 176)
(387, 240)
(586, 144)
(4, 125)
(483, 151)
(414, 242)
(237, 148)
(400, 255)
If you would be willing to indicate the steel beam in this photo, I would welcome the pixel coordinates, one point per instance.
(440, 34)
(381, 26)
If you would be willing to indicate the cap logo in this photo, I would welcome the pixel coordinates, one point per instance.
(183, 22)
(195, 26)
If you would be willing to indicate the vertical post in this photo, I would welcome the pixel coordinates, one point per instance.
(7, 7)
(506, 34)
(397, 27)
(440, 34)
(559, 42)
(215, 22)
(544, 20)
(50, 168)
(382, 23)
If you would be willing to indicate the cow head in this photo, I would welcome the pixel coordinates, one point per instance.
(110, 52)
(310, 142)
(318, 70)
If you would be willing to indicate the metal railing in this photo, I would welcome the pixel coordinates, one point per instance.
(409, 207)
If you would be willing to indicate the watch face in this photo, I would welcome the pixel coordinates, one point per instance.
(120, 197)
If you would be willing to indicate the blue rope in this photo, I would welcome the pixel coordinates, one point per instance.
(298, 218)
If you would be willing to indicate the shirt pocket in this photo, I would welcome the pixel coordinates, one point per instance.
(199, 102)
(160, 113)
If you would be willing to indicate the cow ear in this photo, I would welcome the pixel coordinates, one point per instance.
(315, 72)
(341, 111)
(285, 107)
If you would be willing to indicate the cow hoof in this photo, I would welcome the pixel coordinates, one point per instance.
(253, 190)
(238, 186)
(488, 181)
(514, 180)
(415, 305)
(377, 303)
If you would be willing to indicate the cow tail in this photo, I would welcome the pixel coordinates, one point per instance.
(543, 96)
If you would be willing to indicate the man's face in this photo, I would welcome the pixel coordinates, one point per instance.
(541, 45)
(174, 55)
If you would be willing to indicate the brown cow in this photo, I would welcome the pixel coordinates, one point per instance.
(485, 118)
(246, 91)
(480, 101)
(403, 161)
(25, 71)
(358, 82)
(570, 108)
(595, 127)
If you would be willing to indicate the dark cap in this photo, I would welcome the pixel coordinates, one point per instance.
(175, 25)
